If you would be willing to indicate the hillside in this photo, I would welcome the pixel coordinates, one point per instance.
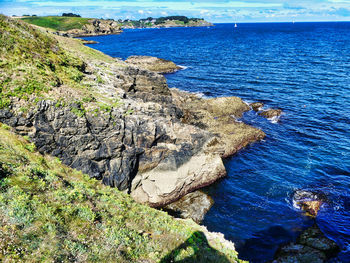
(75, 26)
(51, 212)
(58, 23)
(117, 123)
(78, 26)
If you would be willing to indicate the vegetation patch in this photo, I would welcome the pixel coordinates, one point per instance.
(33, 63)
(60, 23)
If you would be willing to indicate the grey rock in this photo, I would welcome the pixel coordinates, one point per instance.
(257, 106)
(312, 246)
(193, 205)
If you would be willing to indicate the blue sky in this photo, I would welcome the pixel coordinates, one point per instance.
(214, 11)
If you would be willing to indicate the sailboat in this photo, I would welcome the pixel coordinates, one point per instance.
(235, 25)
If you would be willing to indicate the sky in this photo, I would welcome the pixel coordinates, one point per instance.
(213, 11)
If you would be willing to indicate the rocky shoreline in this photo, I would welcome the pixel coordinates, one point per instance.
(126, 128)
(156, 143)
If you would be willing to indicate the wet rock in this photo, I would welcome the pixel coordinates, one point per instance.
(312, 246)
(193, 205)
(256, 106)
(308, 201)
(313, 237)
(154, 64)
(271, 113)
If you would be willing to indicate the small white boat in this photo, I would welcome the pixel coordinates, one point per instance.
(235, 25)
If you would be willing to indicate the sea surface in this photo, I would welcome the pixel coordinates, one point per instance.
(301, 68)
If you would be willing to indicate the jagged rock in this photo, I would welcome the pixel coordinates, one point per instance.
(170, 145)
(312, 246)
(308, 201)
(193, 205)
(218, 116)
(257, 106)
(154, 64)
(271, 113)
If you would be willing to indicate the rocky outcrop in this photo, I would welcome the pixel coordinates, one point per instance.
(136, 134)
(95, 27)
(193, 205)
(257, 106)
(311, 246)
(271, 113)
(308, 201)
(154, 64)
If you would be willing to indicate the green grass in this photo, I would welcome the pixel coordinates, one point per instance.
(52, 213)
(33, 62)
(57, 22)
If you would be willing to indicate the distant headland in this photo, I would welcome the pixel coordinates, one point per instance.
(74, 25)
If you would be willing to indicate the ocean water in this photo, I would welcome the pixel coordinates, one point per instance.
(302, 68)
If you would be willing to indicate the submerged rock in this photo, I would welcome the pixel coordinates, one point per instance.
(308, 201)
(312, 246)
(256, 106)
(193, 205)
(154, 64)
(271, 113)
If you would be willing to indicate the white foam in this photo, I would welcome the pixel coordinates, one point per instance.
(274, 119)
(182, 67)
(234, 117)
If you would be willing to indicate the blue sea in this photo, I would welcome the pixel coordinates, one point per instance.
(301, 68)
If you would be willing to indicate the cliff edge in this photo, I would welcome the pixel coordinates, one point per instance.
(118, 123)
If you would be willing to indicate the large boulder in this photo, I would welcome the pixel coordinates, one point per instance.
(193, 205)
(256, 106)
(312, 246)
(154, 64)
(309, 202)
(271, 113)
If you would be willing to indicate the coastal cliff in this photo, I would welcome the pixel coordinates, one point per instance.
(76, 26)
(118, 123)
(165, 22)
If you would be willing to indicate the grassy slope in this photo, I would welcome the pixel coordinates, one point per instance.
(33, 63)
(57, 22)
(49, 212)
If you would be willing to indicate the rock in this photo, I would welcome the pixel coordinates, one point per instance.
(89, 41)
(313, 237)
(218, 116)
(311, 246)
(308, 201)
(154, 64)
(193, 205)
(94, 27)
(271, 113)
(256, 106)
(156, 144)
